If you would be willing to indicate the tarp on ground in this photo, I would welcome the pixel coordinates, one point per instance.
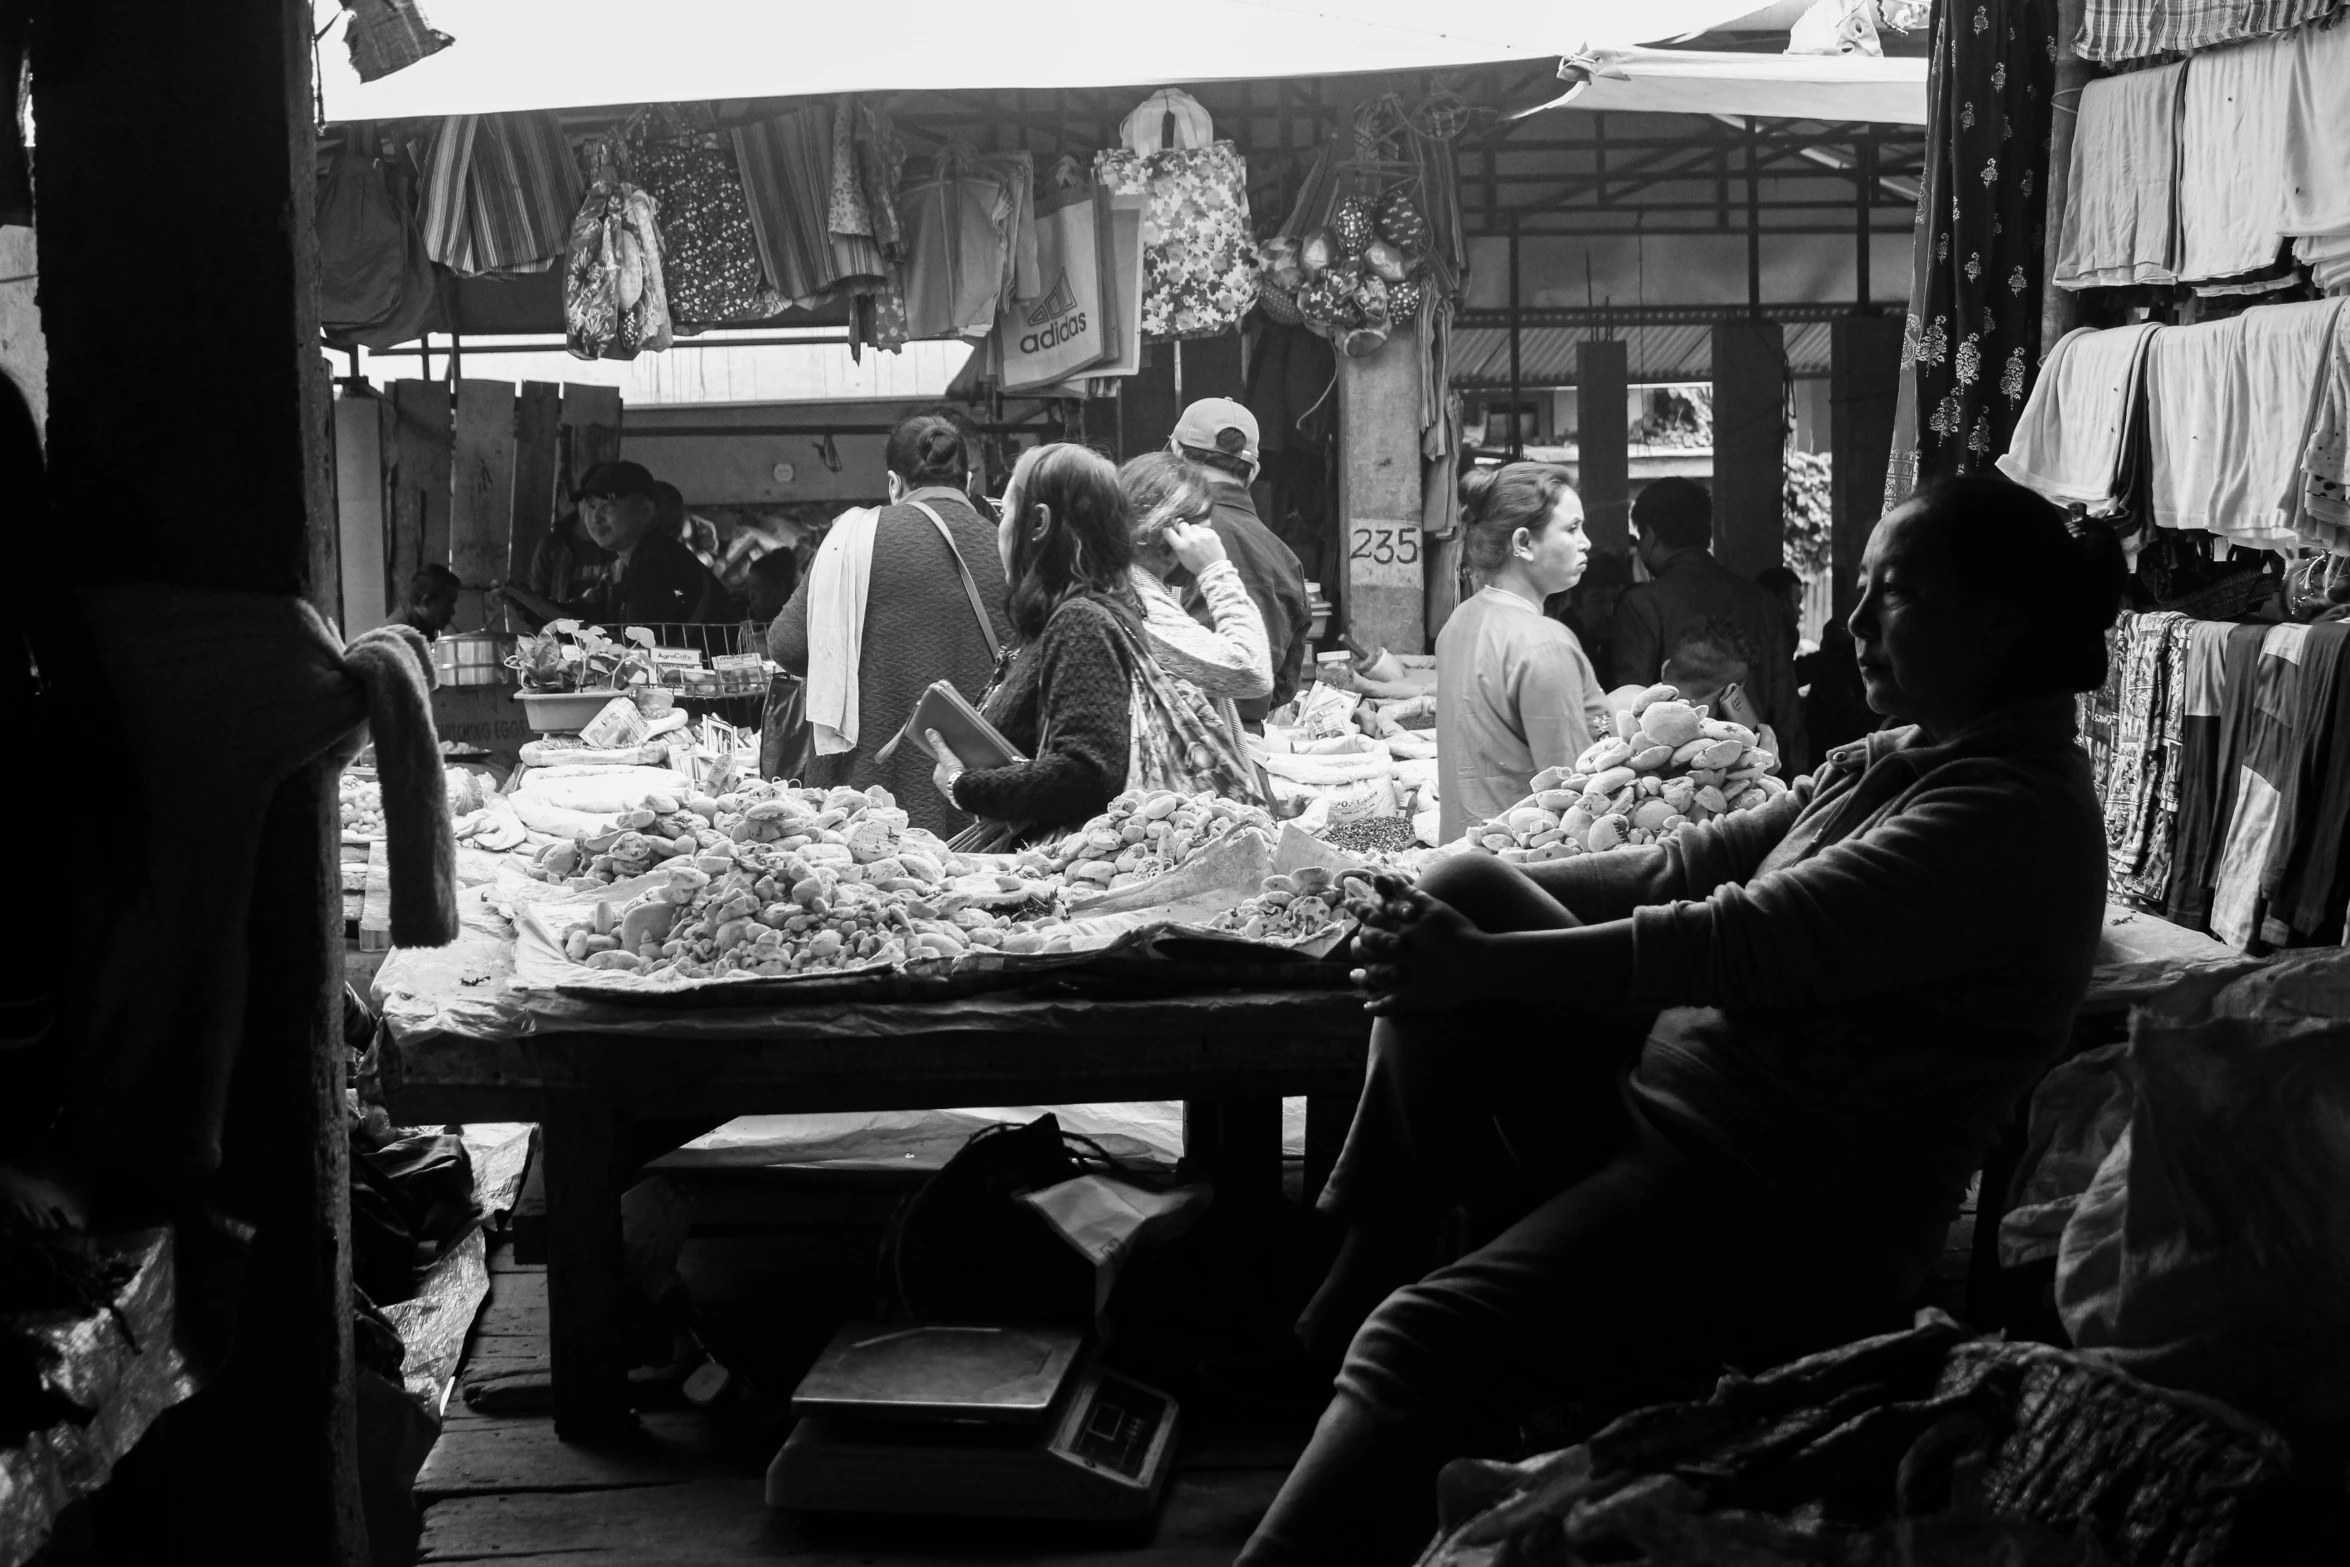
(554, 54)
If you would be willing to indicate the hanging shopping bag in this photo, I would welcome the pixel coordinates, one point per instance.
(1199, 256)
(1049, 338)
(614, 304)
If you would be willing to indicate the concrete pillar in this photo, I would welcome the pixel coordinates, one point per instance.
(1750, 444)
(1379, 497)
(1603, 442)
(1864, 383)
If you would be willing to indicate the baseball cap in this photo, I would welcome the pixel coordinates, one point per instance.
(619, 478)
(1205, 422)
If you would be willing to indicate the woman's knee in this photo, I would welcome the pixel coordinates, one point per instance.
(1494, 895)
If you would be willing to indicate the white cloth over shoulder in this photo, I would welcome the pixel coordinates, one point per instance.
(2120, 220)
(2068, 442)
(837, 586)
(2233, 132)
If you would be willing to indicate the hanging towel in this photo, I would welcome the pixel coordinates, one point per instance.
(2120, 220)
(227, 696)
(499, 193)
(958, 228)
(2317, 133)
(2229, 406)
(836, 628)
(2233, 188)
(2068, 441)
(2321, 491)
(2327, 256)
(2133, 29)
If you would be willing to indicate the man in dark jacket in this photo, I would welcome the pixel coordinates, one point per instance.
(654, 579)
(1673, 527)
(1221, 436)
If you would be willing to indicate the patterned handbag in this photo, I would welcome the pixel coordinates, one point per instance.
(1181, 738)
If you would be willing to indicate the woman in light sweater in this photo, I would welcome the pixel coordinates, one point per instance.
(1170, 499)
(1514, 692)
(1716, 1101)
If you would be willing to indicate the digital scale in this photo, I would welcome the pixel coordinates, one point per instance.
(970, 1421)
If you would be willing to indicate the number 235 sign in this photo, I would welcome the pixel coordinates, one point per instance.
(1384, 552)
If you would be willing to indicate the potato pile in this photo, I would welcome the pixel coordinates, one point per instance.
(1295, 907)
(662, 827)
(363, 807)
(791, 881)
(1144, 834)
(1666, 765)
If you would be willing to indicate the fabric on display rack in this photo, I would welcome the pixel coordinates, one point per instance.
(2302, 787)
(2233, 129)
(2317, 140)
(2120, 220)
(2201, 854)
(710, 257)
(2069, 442)
(2202, 716)
(2320, 499)
(1971, 345)
(2266, 716)
(2133, 29)
(498, 194)
(2327, 256)
(959, 233)
(376, 285)
(2142, 755)
(786, 177)
(2312, 887)
(2229, 406)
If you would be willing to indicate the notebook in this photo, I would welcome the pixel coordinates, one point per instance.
(975, 742)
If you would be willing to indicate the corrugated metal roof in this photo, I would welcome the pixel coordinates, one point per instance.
(1546, 355)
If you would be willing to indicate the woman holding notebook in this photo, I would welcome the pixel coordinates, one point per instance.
(1066, 702)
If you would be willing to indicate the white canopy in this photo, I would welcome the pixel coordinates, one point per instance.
(550, 54)
(1836, 87)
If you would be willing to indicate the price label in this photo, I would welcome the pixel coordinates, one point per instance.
(1384, 552)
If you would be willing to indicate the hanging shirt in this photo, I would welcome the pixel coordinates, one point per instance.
(1514, 695)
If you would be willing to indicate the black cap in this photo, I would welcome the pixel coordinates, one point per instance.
(619, 478)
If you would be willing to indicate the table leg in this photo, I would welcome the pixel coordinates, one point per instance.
(587, 1278)
(1234, 1141)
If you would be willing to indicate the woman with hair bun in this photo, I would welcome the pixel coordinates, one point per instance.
(1713, 1102)
(1515, 693)
(882, 612)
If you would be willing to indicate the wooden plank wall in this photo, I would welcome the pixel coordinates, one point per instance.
(473, 479)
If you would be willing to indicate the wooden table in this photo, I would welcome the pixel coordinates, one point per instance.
(611, 1087)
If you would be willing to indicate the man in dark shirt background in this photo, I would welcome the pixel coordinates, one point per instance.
(431, 602)
(1673, 527)
(653, 579)
(1221, 436)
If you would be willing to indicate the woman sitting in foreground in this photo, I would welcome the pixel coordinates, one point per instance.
(1715, 1102)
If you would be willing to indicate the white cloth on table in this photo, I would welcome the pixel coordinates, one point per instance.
(2229, 407)
(837, 586)
(2317, 137)
(2120, 220)
(2068, 441)
(2234, 119)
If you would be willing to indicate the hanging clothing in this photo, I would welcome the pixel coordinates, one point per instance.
(2140, 757)
(1972, 341)
(376, 285)
(2317, 132)
(2220, 662)
(787, 174)
(959, 238)
(2069, 441)
(709, 250)
(499, 193)
(2228, 412)
(2320, 500)
(2119, 218)
(2302, 734)
(2265, 718)
(2133, 29)
(2233, 186)
(2328, 258)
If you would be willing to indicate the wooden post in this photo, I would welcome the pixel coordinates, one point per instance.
(587, 1278)
(481, 494)
(537, 414)
(419, 482)
(2060, 308)
(359, 504)
(1603, 441)
(220, 479)
(1750, 444)
(1864, 382)
(592, 415)
(1379, 498)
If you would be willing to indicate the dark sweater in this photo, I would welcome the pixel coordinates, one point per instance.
(918, 628)
(1864, 976)
(1067, 702)
(1652, 617)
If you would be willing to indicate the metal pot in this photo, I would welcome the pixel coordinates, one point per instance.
(472, 658)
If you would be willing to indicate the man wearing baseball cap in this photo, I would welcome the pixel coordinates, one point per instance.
(653, 577)
(1221, 436)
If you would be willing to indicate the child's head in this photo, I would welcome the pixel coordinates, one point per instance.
(1709, 664)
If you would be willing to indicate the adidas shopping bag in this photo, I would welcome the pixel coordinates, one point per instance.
(1061, 332)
